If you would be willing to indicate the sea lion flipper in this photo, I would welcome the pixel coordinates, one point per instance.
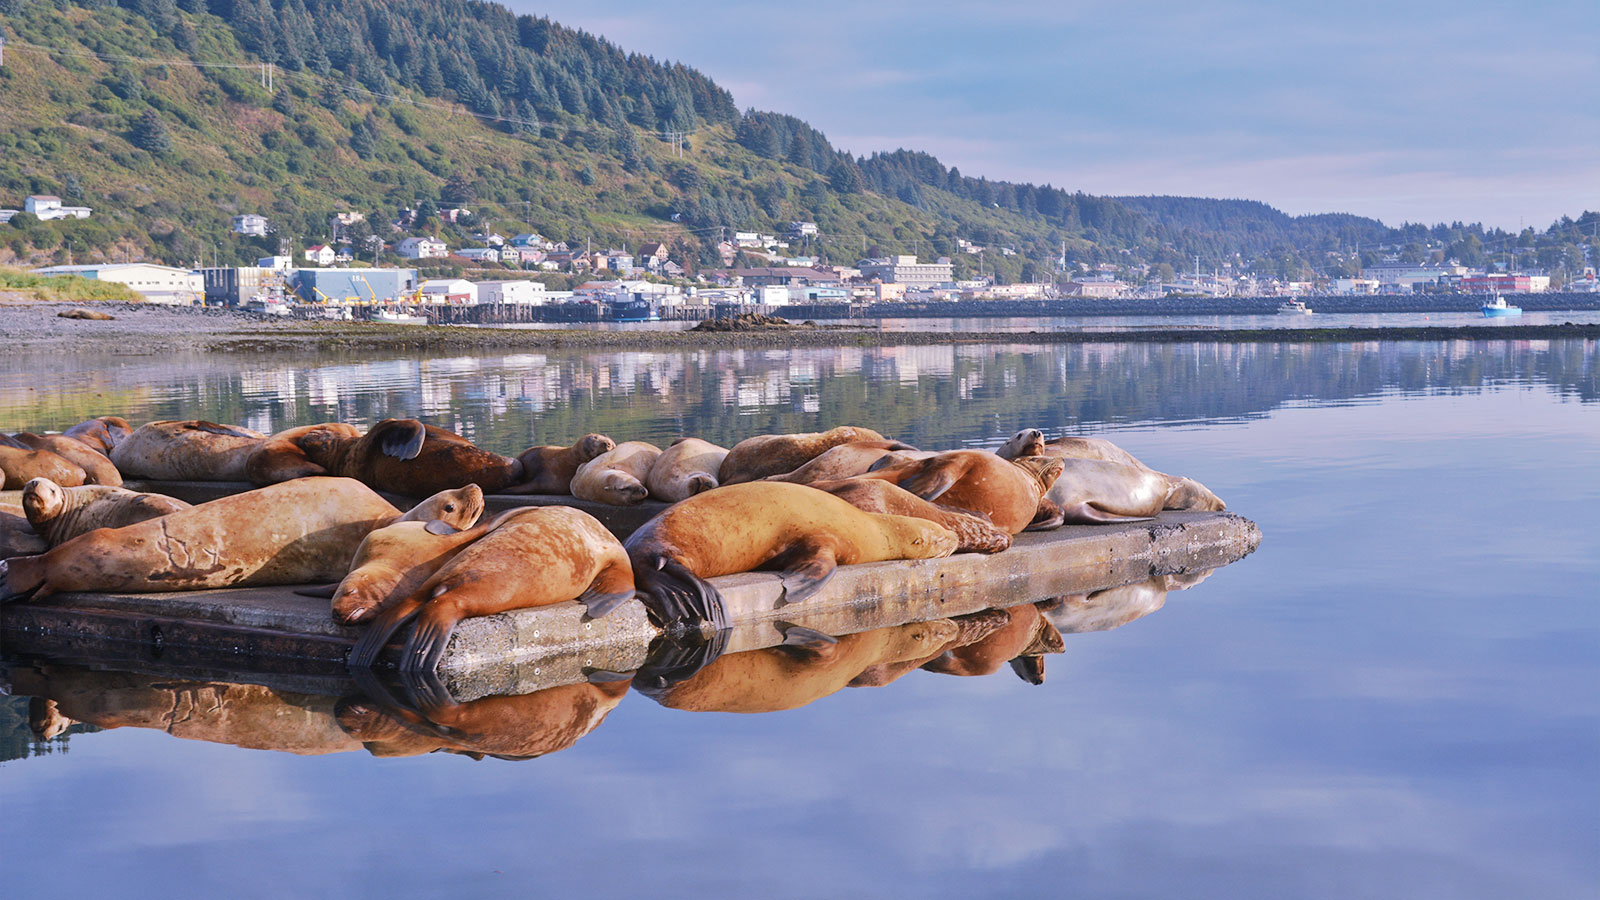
(1086, 513)
(678, 597)
(1049, 516)
(440, 527)
(322, 591)
(428, 639)
(371, 643)
(400, 438)
(799, 637)
(932, 482)
(1029, 668)
(599, 604)
(804, 580)
(16, 581)
(605, 676)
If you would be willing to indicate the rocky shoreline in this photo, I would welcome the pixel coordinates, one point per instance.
(144, 329)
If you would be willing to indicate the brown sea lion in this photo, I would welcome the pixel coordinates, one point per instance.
(1009, 492)
(789, 677)
(299, 532)
(21, 464)
(1023, 641)
(774, 454)
(870, 495)
(1031, 442)
(404, 456)
(549, 470)
(617, 475)
(96, 467)
(1093, 491)
(848, 461)
(62, 513)
(17, 537)
(688, 467)
(804, 532)
(284, 456)
(540, 556)
(100, 434)
(189, 450)
(512, 728)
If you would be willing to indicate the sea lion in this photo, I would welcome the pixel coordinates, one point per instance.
(973, 532)
(847, 461)
(405, 456)
(540, 556)
(684, 469)
(617, 475)
(1031, 442)
(1009, 492)
(1023, 641)
(21, 464)
(283, 456)
(97, 468)
(512, 728)
(62, 513)
(774, 454)
(1095, 492)
(299, 532)
(17, 537)
(100, 434)
(189, 450)
(789, 677)
(804, 532)
(549, 469)
(1114, 607)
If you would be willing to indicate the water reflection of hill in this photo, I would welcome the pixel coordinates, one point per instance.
(935, 395)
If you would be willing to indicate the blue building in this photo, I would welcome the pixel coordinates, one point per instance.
(353, 285)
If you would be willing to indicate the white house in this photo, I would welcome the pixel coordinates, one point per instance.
(480, 254)
(157, 284)
(422, 248)
(454, 291)
(321, 254)
(803, 229)
(250, 224)
(6, 214)
(48, 206)
(529, 293)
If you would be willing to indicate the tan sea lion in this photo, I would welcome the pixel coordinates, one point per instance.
(97, 468)
(21, 464)
(405, 456)
(544, 555)
(688, 467)
(189, 450)
(802, 531)
(100, 434)
(512, 728)
(549, 470)
(774, 454)
(1009, 492)
(617, 475)
(1023, 641)
(848, 461)
(1093, 492)
(283, 456)
(973, 532)
(1184, 493)
(299, 532)
(17, 537)
(789, 677)
(62, 513)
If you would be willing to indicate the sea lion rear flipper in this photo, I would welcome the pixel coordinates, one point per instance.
(801, 639)
(7, 440)
(400, 438)
(371, 643)
(1086, 513)
(901, 446)
(323, 591)
(229, 430)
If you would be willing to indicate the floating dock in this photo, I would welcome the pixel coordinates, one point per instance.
(274, 630)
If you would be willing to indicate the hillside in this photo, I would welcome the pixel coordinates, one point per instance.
(158, 114)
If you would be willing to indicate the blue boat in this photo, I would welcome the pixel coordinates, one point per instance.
(1499, 308)
(635, 310)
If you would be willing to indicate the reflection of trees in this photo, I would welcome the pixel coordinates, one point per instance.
(934, 395)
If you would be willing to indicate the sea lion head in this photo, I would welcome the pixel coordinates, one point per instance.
(459, 508)
(1190, 494)
(1027, 442)
(43, 500)
(592, 445)
(921, 538)
(624, 487)
(1044, 469)
(322, 442)
(45, 719)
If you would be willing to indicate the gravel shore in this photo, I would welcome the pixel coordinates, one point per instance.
(148, 329)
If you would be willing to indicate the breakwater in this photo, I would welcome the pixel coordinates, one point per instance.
(1182, 306)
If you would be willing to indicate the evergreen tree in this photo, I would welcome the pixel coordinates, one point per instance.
(150, 134)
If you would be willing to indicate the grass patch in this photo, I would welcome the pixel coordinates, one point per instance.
(64, 288)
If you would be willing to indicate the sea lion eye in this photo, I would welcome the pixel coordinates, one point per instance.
(449, 507)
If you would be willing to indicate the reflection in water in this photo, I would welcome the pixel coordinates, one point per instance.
(63, 696)
(938, 396)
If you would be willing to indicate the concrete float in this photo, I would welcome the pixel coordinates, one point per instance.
(269, 630)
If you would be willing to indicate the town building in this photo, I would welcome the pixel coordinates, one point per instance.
(453, 291)
(422, 248)
(907, 271)
(526, 293)
(1408, 277)
(353, 285)
(803, 229)
(155, 283)
(1355, 285)
(1091, 288)
(321, 255)
(251, 224)
(480, 254)
(48, 207)
(275, 262)
(1479, 283)
(238, 285)
(653, 256)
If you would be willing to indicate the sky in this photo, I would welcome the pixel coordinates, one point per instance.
(1410, 110)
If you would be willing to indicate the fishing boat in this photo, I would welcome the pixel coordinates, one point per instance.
(1498, 308)
(637, 310)
(264, 305)
(395, 317)
(1294, 308)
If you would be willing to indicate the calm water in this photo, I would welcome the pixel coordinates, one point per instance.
(1397, 695)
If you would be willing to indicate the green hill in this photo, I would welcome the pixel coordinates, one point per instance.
(159, 115)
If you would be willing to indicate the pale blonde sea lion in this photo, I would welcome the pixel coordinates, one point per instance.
(20, 464)
(688, 467)
(848, 461)
(972, 531)
(189, 450)
(97, 468)
(774, 454)
(617, 476)
(62, 513)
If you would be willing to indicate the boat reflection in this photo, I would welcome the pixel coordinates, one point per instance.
(797, 666)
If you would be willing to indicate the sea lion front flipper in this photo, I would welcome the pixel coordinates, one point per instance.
(428, 639)
(605, 676)
(1049, 516)
(229, 430)
(609, 590)
(1029, 668)
(807, 640)
(440, 527)
(371, 642)
(678, 599)
(1086, 513)
(322, 591)
(21, 578)
(931, 483)
(400, 438)
(802, 581)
